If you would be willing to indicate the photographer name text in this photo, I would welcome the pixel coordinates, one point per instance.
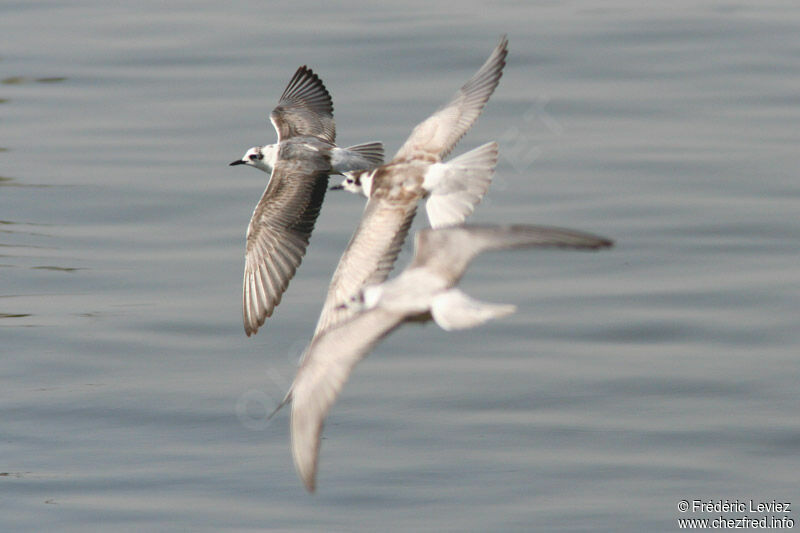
(735, 506)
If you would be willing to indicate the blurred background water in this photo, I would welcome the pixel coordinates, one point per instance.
(662, 370)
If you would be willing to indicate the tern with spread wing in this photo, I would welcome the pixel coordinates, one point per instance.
(395, 189)
(299, 165)
(425, 290)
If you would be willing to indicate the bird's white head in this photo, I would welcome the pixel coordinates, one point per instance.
(372, 296)
(356, 182)
(260, 157)
(362, 300)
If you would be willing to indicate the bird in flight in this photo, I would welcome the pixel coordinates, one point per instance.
(395, 189)
(299, 165)
(426, 290)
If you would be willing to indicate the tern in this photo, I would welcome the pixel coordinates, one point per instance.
(416, 172)
(452, 189)
(299, 165)
(425, 290)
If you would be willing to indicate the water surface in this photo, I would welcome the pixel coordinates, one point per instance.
(665, 369)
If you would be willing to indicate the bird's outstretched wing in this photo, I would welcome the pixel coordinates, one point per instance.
(438, 134)
(447, 252)
(278, 234)
(368, 258)
(326, 366)
(305, 109)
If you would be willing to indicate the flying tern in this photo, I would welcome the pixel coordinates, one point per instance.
(395, 189)
(425, 290)
(299, 165)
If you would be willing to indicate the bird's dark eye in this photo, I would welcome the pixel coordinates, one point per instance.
(349, 180)
(254, 157)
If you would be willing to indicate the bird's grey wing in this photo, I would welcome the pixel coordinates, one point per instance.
(305, 108)
(327, 365)
(447, 251)
(368, 258)
(278, 235)
(440, 132)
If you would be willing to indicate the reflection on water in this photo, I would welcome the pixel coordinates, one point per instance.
(18, 80)
(663, 370)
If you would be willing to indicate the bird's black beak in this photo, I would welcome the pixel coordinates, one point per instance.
(237, 162)
(334, 187)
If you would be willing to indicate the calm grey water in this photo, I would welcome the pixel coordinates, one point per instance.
(629, 380)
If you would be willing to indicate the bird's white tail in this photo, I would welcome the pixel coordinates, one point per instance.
(456, 187)
(371, 152)
(455, 310)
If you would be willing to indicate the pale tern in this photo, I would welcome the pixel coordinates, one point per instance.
(425, 290)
